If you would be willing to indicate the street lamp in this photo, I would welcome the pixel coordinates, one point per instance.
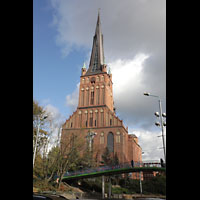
(38, 129)
(161, 115)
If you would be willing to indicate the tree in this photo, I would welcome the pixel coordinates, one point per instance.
(38, 112)
(44, 166)
(107, 157)
(69, 156)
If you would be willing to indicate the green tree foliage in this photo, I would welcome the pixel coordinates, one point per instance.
(38, 112)
(156, 185)
(106, 157)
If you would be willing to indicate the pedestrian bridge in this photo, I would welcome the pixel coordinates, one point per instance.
(113, 170)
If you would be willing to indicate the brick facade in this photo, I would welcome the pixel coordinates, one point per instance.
(96, 112)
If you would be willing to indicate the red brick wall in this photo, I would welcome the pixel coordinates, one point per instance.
(127, 148)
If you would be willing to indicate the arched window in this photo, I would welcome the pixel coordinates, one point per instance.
(96, 118)
(97, 95)
(91, 118)
(110, 142)
(87, 96)
(82, 97)
(103, 94)
(102, 118)
(86, 118)
(92, 97)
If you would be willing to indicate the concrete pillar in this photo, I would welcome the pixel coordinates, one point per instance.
(103, 187)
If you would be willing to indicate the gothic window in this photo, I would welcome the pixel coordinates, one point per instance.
(87, 96)
(97, 95)
(107, 119)
(97, 78)
(82, 96)
(102, 118)
(103, 94)
(92, 98)
(96, 118)
(91, 119)
(86, 118)
(102, 78)
(110, 142)
(83, 81)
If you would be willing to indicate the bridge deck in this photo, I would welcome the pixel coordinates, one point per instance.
(111, 170)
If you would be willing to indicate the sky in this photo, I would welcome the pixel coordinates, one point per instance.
(134, 34)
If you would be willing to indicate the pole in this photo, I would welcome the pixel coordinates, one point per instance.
(110, 187)
(140, 184)
(38, 128)
(103, 187)
(161, 120)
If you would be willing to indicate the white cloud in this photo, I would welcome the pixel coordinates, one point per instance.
(134, 48)
(72, 99)
(55, 121)
(127, 74)
(151, 144)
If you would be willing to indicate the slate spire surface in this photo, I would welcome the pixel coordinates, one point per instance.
(97, 54)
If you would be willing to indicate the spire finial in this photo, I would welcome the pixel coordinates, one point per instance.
(84, 65)
(98, 18)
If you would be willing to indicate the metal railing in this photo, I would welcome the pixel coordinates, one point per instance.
(113, 167)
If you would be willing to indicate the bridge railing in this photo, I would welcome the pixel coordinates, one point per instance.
(112, 167)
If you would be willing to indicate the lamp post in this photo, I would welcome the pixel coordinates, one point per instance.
(161, 115)
(36, 140)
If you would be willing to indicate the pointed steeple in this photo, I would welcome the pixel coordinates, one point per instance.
(84, 65)
(97, 55)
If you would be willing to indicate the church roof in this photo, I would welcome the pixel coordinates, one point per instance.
(97, 55)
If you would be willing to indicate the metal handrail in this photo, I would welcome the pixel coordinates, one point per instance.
(112, 167)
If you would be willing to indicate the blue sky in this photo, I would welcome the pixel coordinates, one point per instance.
(134, 49)
(54, 76)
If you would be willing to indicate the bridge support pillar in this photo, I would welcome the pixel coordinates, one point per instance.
(110, 187)
(103, 187)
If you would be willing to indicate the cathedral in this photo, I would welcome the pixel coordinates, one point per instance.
(95, 116)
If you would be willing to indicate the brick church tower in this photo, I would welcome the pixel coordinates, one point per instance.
(96, 113)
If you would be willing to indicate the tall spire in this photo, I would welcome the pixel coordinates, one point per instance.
(97, 55)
